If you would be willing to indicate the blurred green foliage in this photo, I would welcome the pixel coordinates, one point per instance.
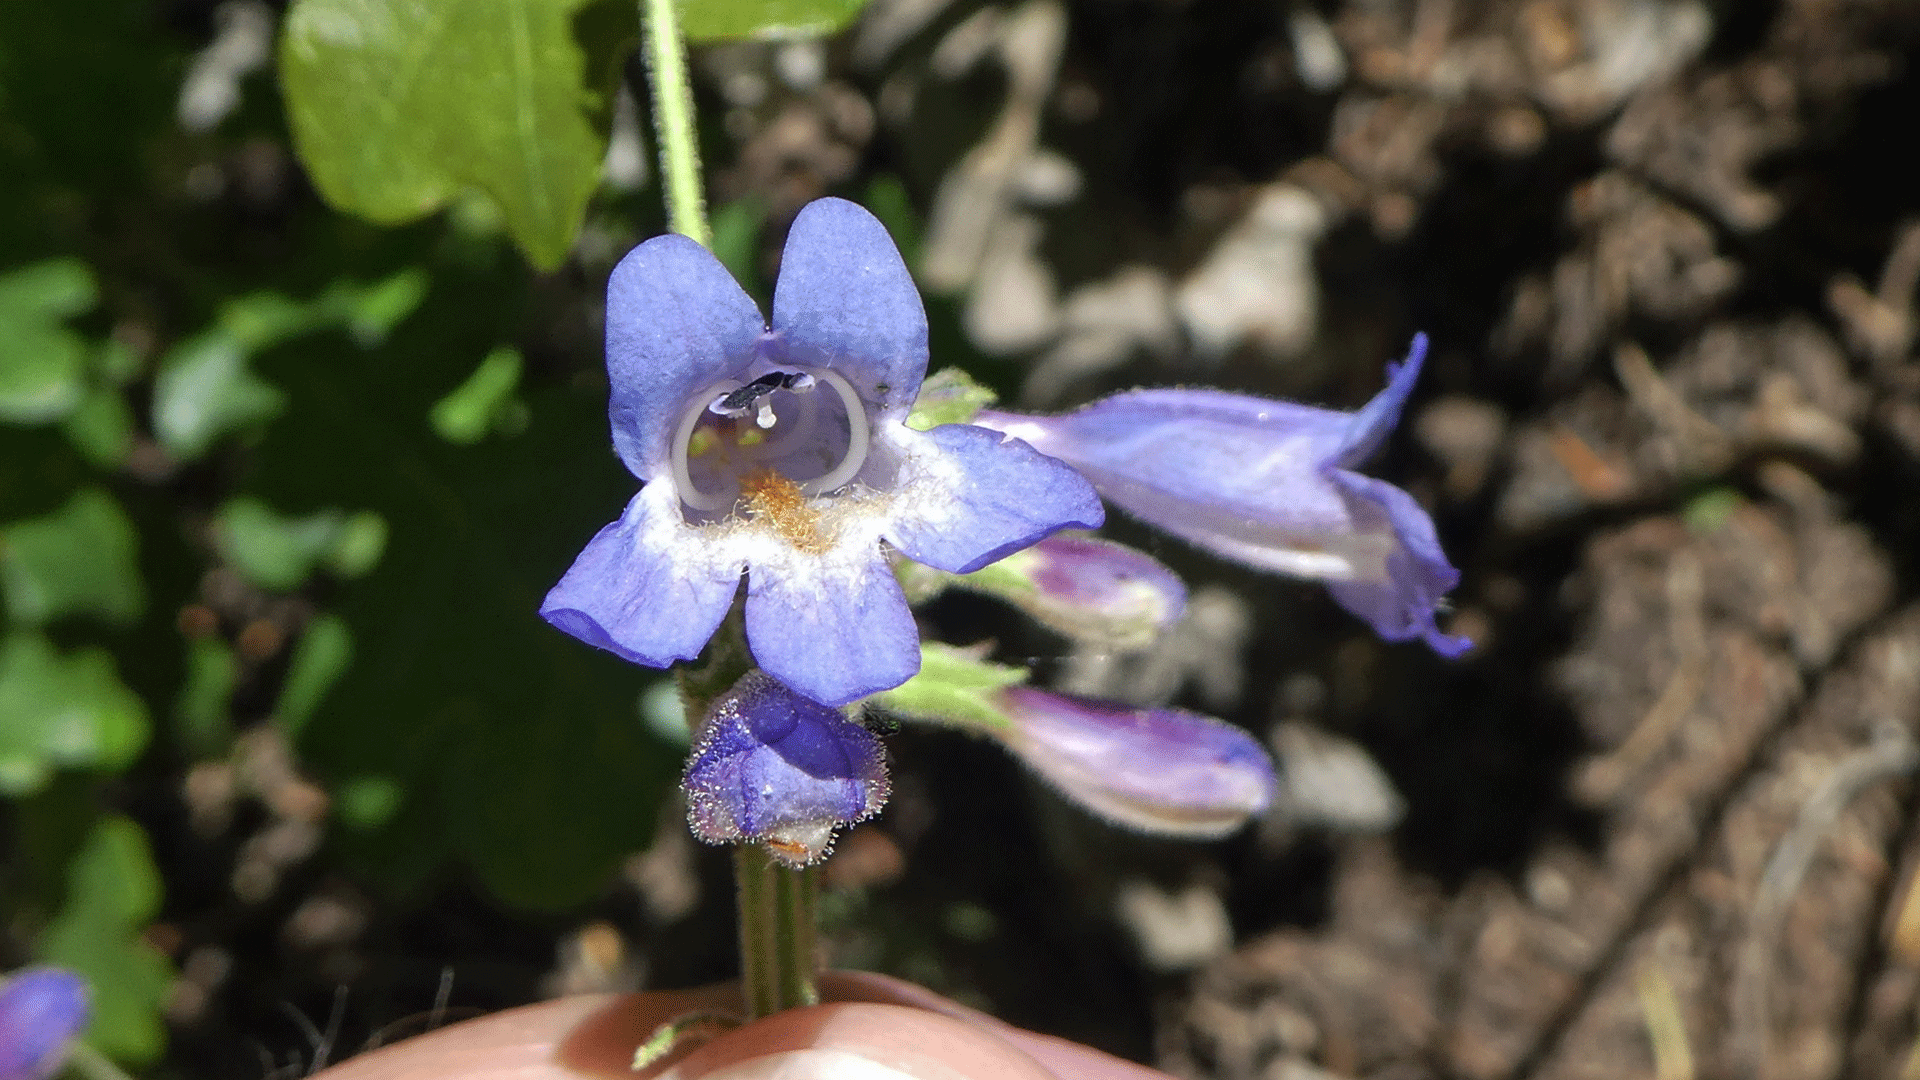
(225, 406)
(113, 892)
(78, 560)
(62, 711)
(484, 403)
(42, 361)
(722, 20)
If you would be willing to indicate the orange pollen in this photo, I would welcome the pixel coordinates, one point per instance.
(796, 854)
(778, 501)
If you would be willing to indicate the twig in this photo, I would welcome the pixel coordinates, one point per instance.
(1892, 754)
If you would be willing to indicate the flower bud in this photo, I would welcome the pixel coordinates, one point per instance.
(770, 766)
(1094, 591)
(41, 1011)
(1165, 771)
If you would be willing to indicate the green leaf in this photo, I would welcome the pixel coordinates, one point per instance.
(483, 403)
(280, 552)
(113, 892)
(43, 364)
(720, 20)
(358, 545)
(78, 560)
(62, 711)
(372, 311)
(205, 389)
(949, 396)
(202, 708)
(398, 105)
(368, 802)
(953, 688)
(101, 427)
(321, 657)
(1710, 509)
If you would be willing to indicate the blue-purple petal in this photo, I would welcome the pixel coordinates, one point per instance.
(1240, 478)
(1004, 496)
(1165, 771)
(845, 300)
(1418, 576)
(676, 322)
(646, 587)
(42, 1010)
(769, 765)
(1378, 417)
(834, 629)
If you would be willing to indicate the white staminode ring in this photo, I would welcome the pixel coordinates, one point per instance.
(761, 407)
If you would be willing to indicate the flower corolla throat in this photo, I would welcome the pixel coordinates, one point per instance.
(769, 445)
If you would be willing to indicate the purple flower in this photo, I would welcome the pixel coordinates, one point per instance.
(782, 453)
(1164, 771)
(42, 1010)
(1269, 484)
(768, 765)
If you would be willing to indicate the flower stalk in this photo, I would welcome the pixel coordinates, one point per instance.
(777, 931)
(673, 122)
(776, 905)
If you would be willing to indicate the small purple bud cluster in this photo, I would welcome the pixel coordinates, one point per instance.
(772, 766)
(779, 451)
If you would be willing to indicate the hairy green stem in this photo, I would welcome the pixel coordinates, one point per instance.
(777, 938)
(673, 120)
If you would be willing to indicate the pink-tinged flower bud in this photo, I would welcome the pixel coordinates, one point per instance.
(770, 766)
(41, 1011)
(1165, 771)
(1094, 591)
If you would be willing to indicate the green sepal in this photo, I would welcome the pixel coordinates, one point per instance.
(954, 688)
(948, 396)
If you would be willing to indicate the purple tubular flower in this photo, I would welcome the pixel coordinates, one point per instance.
(1165, 771)
(1269, 484)
(782, 453)
(42, 1010)
(768, 765)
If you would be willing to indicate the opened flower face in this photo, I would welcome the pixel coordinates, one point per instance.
(782, 453)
